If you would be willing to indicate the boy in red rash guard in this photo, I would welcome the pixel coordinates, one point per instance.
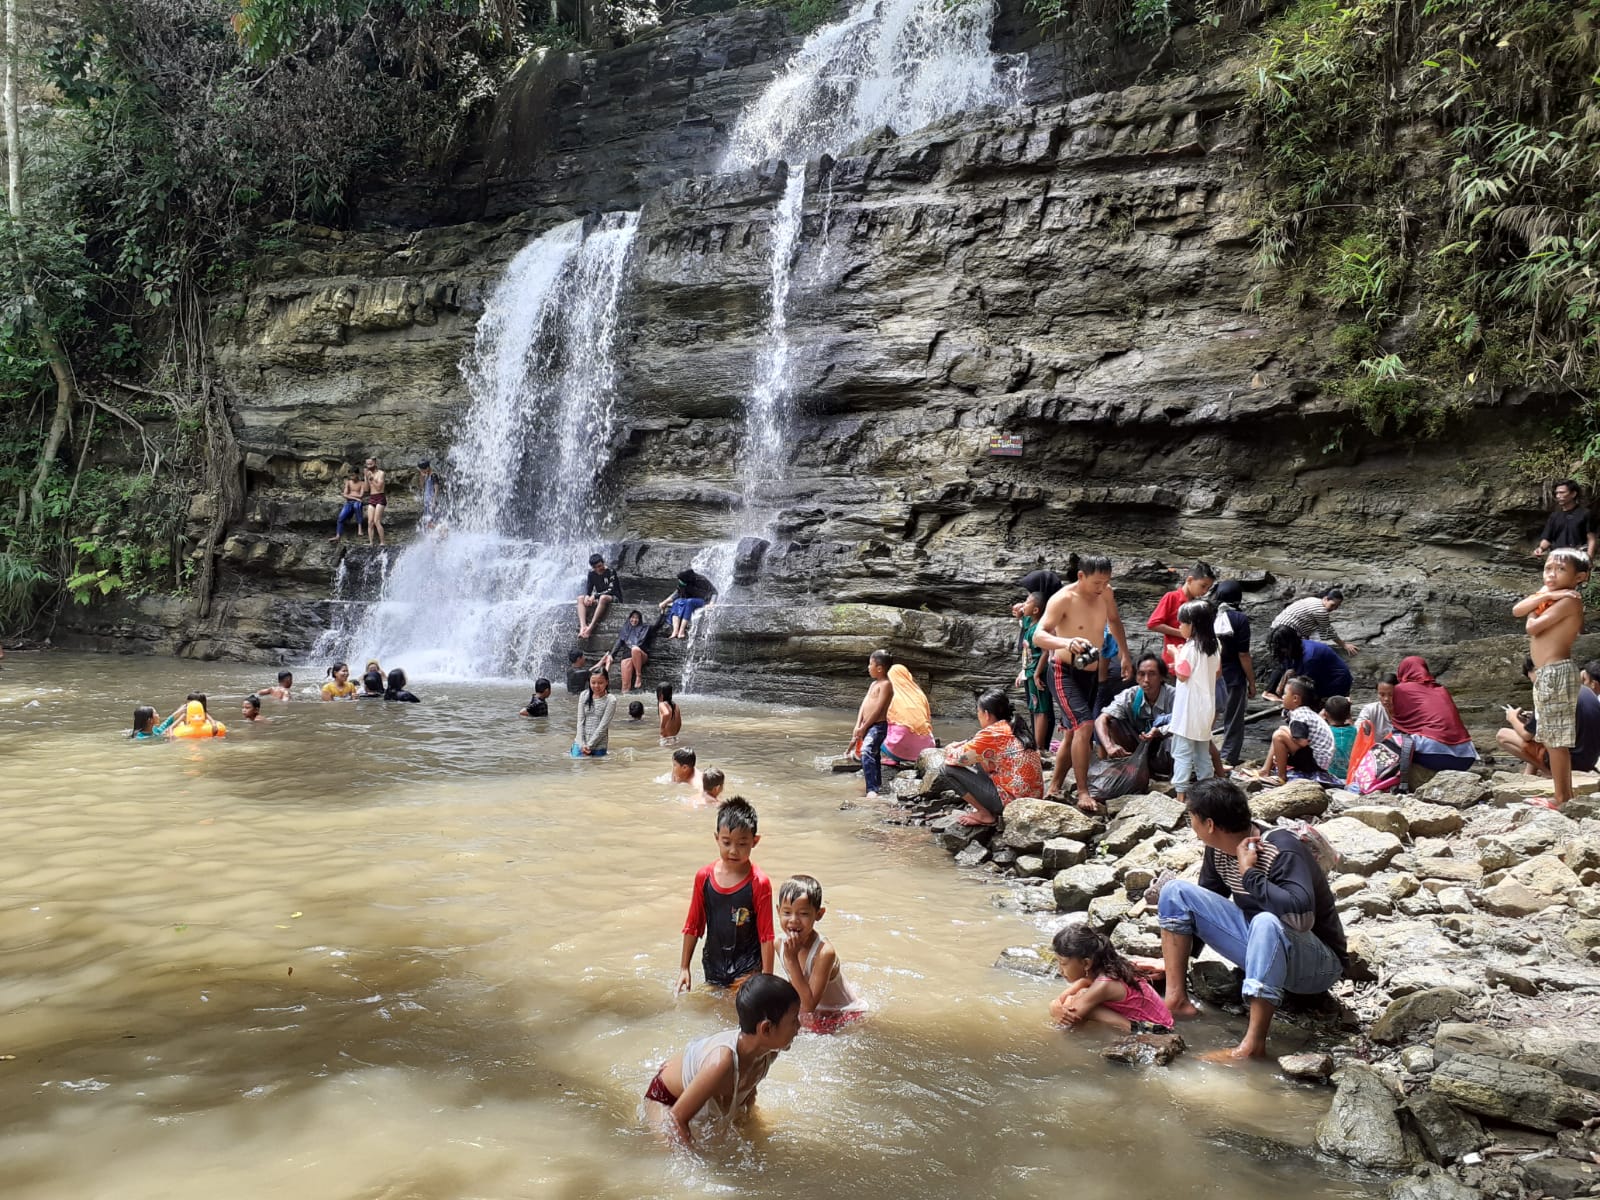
(731, 905)
(1165, 618)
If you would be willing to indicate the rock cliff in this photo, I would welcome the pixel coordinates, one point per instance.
(1073, 272)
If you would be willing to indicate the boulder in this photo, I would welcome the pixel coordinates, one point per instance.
(1430, 820)
(1582, 853)
(956, 838)
(1029, 865)
(1514, 1092)
(1583, 935)
(1418, 1060)
(1135, 939)
(1445, 1131)
(1510, 898)
(973, 855)
(1028, 824)
(1165, 812)
(1454, 900)
(1034, 961)
(1299, 798)
(1345, 886)
(1362, 1124)
(1310, 1065)
(1576, 1059)
(1546, 874)
(1362, 849)
(1106, 911)
(1455, 789)
(1383, 817)
(1061, 852)
(1125, 833)
(1077, 886)
(1215, 982)
(1405, 1015)
(1560, 1178)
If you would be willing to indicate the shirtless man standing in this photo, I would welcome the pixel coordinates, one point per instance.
(1074, 622)
(1554, 620)
(376, 501)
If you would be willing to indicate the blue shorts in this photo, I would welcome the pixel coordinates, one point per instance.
(577, 752)
(687, 607)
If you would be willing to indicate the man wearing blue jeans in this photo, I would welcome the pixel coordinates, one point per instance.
(1262, 902)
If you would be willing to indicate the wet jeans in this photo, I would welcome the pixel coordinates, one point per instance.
(1275, 958)
(871, 764)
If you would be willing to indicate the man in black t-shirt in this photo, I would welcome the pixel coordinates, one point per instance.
(600, 589)
(578, 672)
(694, 592)
(1568, 526)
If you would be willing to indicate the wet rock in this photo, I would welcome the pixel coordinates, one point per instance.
(1137, 939)
(1029, 823)
(1432, 1184)
(1430, 820)
(1513, 1092)
(1034, 961)
(972, 855)
(1311, 1065)
(1362, 849)
(1215, 982)
(1445, 1131)
(1036, 898)
(1509, 898)
(1061, 853)
(1408, 1014)
(1077, 886)
(956, 838)
(1380, 817)
(1455, 789)
(1561, 1178)
(1002, 857)
(1029, 865)
(1145, 1049)
(1106, 911)
(1299, 798)
(1362, 1124)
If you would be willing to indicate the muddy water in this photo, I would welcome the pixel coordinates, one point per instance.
(415, 951)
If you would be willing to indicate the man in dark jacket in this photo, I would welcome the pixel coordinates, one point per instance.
(1262, 902)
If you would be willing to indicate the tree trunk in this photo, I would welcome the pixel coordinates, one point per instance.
(38, 319)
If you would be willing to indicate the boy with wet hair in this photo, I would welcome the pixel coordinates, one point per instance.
(808, 961)
(711, 784)
(283, 689)
(1554, 620)
(731, 905)
(683, 761)
(719, 1074)
(539, 703)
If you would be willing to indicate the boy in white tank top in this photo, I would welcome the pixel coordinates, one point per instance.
(808, 960)
(719, 1074)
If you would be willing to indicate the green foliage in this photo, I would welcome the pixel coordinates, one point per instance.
(21, 580)
(805, 15)
(1482, 267)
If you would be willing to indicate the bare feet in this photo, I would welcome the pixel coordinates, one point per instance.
(1242, 1053)
(1541, 802)
(1182, 1010)
(1089, 805)
(975, 818)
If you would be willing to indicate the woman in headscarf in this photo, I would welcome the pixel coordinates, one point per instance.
(1425, 712)
(910, 720)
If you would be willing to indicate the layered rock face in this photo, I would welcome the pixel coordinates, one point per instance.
(1071, 273)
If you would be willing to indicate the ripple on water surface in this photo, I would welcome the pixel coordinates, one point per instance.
(417, 951)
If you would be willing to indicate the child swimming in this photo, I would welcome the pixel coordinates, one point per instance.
(282, 690)
(711, 784)
(808, 961)
(731, 905)
(250, 710)
(144, 723)
(1103, 986)
(539, 703)
(667, 710)
(683, 766)
(635, 711)
(719, 1074)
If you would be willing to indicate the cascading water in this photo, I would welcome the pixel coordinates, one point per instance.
(487, 594)
(897, 63)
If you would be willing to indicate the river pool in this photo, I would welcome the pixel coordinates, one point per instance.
(376, 952)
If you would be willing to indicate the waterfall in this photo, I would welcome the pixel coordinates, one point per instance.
(489, 593)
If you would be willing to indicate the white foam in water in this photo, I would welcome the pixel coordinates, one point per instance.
(491, 594)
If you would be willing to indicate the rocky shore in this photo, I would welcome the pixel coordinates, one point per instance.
(1463, 1050)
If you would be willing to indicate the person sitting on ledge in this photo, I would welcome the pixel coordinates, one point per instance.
(1131, 716)
(693, 593)
(1262, 902)
(995, 766)
(1521, 737)
(601, 589)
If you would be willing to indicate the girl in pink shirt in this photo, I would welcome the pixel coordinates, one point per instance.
(1103, 986)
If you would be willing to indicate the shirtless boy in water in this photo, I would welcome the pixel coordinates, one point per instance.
(1074, 622)
(1554, 620)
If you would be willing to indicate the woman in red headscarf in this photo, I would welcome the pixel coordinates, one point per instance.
(1424, 711)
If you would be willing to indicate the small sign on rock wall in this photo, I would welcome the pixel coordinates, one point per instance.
(1005, 445)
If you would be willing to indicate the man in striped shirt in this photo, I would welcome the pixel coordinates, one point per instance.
(1262, 902)
(1313, 618)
